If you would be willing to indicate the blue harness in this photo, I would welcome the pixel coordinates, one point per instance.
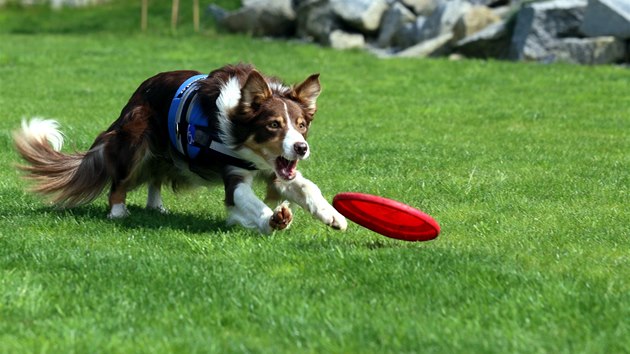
(191, 134)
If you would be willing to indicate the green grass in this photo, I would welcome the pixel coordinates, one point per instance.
(525, 167)
(114, 16)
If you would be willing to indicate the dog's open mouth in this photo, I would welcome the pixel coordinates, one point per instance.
(286, 169)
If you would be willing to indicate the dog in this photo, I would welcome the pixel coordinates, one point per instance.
(185, 128)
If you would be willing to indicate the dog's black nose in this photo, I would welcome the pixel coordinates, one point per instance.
(300, 148)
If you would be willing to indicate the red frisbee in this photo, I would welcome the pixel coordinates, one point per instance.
(386, 216)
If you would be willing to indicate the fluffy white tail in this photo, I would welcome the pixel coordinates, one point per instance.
(41, 129)
(69, 179)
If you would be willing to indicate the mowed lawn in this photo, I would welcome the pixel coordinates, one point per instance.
(526, 168)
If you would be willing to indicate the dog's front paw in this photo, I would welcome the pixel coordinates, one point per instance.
(338, 222)
(281, 218)
(331, 217)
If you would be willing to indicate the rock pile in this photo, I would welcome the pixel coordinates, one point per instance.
(576, 31)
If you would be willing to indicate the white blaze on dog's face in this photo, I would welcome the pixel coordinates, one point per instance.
(294, 144)
(274, 123)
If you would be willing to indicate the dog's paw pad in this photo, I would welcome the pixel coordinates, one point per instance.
(281, 218)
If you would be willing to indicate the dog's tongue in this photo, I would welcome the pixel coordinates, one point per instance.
(285, 169)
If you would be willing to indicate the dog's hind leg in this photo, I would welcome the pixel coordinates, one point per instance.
(120, 185)
(117, 206)
(126, 151)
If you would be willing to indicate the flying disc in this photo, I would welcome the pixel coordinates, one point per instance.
(387, 217)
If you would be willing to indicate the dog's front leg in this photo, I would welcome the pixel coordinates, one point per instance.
(246, 209)
(307, 195)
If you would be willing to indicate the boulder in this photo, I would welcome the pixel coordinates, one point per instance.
(363, 15)
(259, 18)
(503, 12)
(539, 25)
(339, 39)
(443, 19)
(486, 2)
(393, 21)
(437, 46)
(422, 7)
(316, 20)
(590, 51)
(473, 21)
(408, 34)
(491, 42)
(607, 18)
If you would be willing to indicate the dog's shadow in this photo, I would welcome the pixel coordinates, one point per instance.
(141, 218)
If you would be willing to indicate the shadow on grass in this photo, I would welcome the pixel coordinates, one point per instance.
(141, 218)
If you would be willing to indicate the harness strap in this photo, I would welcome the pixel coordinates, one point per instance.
(191, 135)
(178, 110)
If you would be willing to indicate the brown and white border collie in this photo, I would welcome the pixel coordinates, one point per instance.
(251, 125)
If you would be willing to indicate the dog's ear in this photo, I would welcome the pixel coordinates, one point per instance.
(255, 91)
(308, 91)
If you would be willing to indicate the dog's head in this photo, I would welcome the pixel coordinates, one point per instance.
(272, 121)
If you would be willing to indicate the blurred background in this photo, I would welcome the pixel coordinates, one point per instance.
(89, 16)
(574, 31)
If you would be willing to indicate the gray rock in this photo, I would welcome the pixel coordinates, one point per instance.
(393, 21)
(590, 51)
(382, 53)
(504, 12)
(443, 19)
(241, 20)
(339, 39)
(473, 21)
(437, 46)
(260, 18)
(217, 12)
(491, 42)
(408, 34)
(364, 15)
(539, 25)
(316, 20)
(484, 2)
(422, 7)
(607, 18)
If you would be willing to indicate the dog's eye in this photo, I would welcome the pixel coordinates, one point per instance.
(274, 125)
(302, 126)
